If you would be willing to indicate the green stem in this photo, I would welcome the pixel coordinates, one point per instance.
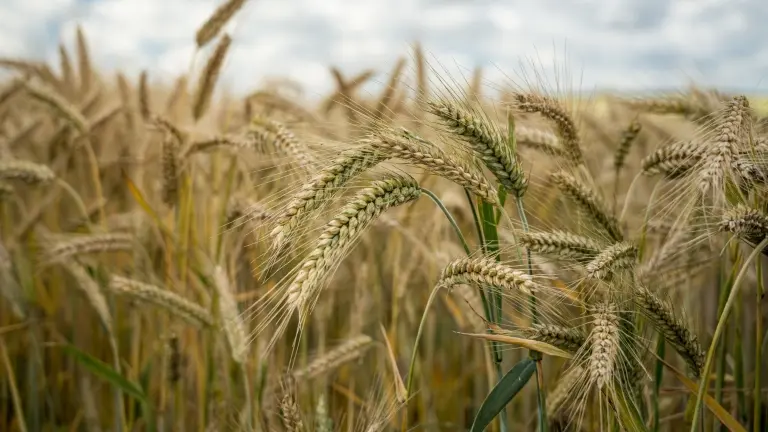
(658, 376)
(448, 215)
(757, 403)
(721, 324)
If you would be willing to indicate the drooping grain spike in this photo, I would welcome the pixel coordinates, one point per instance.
(59, 104)
(208, 78)
(553, 111)
(618, 256)
(561, 243)
(216, 21)
(487, 143)
(486, 271)
(589, 201)
(350, 350)
(604, 341)
(628, 137)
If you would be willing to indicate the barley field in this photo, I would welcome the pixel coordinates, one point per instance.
(436, 257)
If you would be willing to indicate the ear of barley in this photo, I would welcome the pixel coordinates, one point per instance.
(67, 72)
(92, 292)
(88, 244)
(28, 172)
(234, 327)
(562, 392)
(589, 201)
(404, 145)
(569, 339)
(485, 141)
(231, 141)
(554, 112)
(604, 343)
(674, 160)
(350, 350)
(747, 223)
(287, 143)
(341, 233)
(561, 243)
(84, 67)
(216, 21)
(59, 104)
(729, 135)
(290, 413)
(628, 136)
(673, 328)
(210, 75)
(104, 116)
(618, 256)
(171, 302)
(539, 140)
(144, 101)
(486, 271)
(323, 186)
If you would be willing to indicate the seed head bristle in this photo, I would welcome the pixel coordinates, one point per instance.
(173, 303)
(350, 350)
(589, 201)
(486, 271)
(674, 329)
(562, 392)
(485, 141)
(554, 112)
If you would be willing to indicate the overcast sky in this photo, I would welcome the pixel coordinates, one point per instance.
(617, 44)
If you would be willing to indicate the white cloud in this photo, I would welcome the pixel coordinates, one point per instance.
(625, 44)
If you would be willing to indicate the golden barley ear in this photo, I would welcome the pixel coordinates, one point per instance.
(208, 78)
(217, 20)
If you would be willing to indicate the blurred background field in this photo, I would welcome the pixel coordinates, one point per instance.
(141, 184)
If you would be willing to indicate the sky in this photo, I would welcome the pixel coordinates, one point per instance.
(627, 45)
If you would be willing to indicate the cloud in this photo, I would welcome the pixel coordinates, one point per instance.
(618, 44)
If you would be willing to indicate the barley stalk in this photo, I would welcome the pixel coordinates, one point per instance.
(561, 243)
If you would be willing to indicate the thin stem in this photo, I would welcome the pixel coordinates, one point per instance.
(448, 215)
(757, 404)
(721, 324)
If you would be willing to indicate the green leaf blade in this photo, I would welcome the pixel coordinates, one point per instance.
(506, 389)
